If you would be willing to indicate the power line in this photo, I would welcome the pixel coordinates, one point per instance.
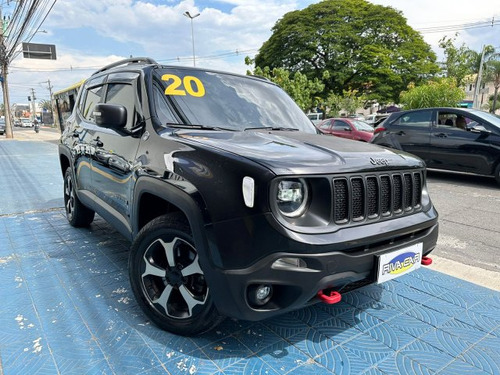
(457, 27)
(164, 60)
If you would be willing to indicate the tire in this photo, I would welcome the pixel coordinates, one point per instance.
(167, 279)
(497, 173)
(77, 214)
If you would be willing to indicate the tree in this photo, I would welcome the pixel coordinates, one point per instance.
(365, 47)
(435, 93)
(493, 74)
(45, 104)
(459, 61)
(301, 89)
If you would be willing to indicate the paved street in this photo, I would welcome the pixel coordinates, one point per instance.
(67, 307)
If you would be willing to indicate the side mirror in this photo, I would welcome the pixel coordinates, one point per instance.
(113, 116)
(347, 129)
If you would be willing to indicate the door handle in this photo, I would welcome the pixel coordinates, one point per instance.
(400, 133)
(441, 135)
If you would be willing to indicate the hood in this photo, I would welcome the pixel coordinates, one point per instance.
(293, 152)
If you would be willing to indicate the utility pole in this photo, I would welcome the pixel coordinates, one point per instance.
(191, 17)
(475, 103)
(4, 62)
(49, 86)
(33, 103)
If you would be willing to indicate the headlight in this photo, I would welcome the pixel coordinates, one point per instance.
(292, 196)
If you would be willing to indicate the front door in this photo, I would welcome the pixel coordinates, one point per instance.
(114, 162)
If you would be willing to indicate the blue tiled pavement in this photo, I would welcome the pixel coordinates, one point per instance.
(66, 307)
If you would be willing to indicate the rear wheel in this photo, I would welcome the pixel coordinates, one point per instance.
(167, 279)
(78, 215)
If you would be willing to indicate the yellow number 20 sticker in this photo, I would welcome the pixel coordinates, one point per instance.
(178, 86)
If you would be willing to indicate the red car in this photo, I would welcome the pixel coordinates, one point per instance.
(347, 128)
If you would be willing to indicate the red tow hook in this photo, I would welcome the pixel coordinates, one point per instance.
(426, 261)
(333, 297)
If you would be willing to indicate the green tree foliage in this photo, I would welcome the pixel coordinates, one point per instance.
(462, 62)
(435, 93)
(45, 104)
(351, 101)
(364, 47)
(301, 89)
(493, 75)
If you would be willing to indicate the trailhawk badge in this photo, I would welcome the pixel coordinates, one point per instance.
(399, 262)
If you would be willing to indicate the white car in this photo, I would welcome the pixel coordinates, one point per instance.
(26, 123)
(315, 117)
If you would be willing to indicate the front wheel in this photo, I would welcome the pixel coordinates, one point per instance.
(78, 215)
(167, 279)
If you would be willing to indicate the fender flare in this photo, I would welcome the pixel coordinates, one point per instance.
(190, 204)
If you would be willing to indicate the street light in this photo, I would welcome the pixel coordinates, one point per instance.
(187, 14)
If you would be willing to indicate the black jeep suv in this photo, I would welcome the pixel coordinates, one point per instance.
(235, 206)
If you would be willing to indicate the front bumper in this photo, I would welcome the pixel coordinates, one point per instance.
(295, 287)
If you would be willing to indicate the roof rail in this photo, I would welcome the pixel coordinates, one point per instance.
(132, 60)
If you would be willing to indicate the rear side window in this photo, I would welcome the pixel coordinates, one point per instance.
(421, 118)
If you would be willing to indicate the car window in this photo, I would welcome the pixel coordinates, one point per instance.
(363, 126)
(340, 125)
(92, 97)
(325, 125)
(123, 94)
(452, 120)
(420, 118)
(230, 101)
(163, 111)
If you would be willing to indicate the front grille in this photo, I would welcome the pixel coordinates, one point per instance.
(372, 196)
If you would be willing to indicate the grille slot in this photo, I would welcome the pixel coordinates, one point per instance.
(371, 197)
(340, 205)
(358, 199)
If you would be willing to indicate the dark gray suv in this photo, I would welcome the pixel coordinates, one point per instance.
(234, 204)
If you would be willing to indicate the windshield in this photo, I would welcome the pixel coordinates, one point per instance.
(362, 126)
(228, 101)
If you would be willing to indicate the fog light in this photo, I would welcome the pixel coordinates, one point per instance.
(263, 292)
(259, 295)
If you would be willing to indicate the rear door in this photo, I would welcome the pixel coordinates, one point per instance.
(411, 132)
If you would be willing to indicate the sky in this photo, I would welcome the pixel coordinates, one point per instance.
(92, 33)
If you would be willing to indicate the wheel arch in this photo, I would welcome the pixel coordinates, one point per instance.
(64, 159)
(153, 198)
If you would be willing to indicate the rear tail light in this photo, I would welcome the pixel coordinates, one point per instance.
(380, 129)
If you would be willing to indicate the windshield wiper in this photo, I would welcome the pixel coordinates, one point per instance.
(200, 127)
(276, 128)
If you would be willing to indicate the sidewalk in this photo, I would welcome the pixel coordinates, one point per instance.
(67, 307)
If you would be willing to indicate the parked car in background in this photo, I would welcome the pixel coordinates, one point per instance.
(347, 128)
(455, 139)
(2, 126)
(376, 118)
(26, 123)
(17, 122)
(315, 117)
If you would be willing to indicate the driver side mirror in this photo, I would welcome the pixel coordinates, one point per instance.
(112, 116)
(347, 129)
